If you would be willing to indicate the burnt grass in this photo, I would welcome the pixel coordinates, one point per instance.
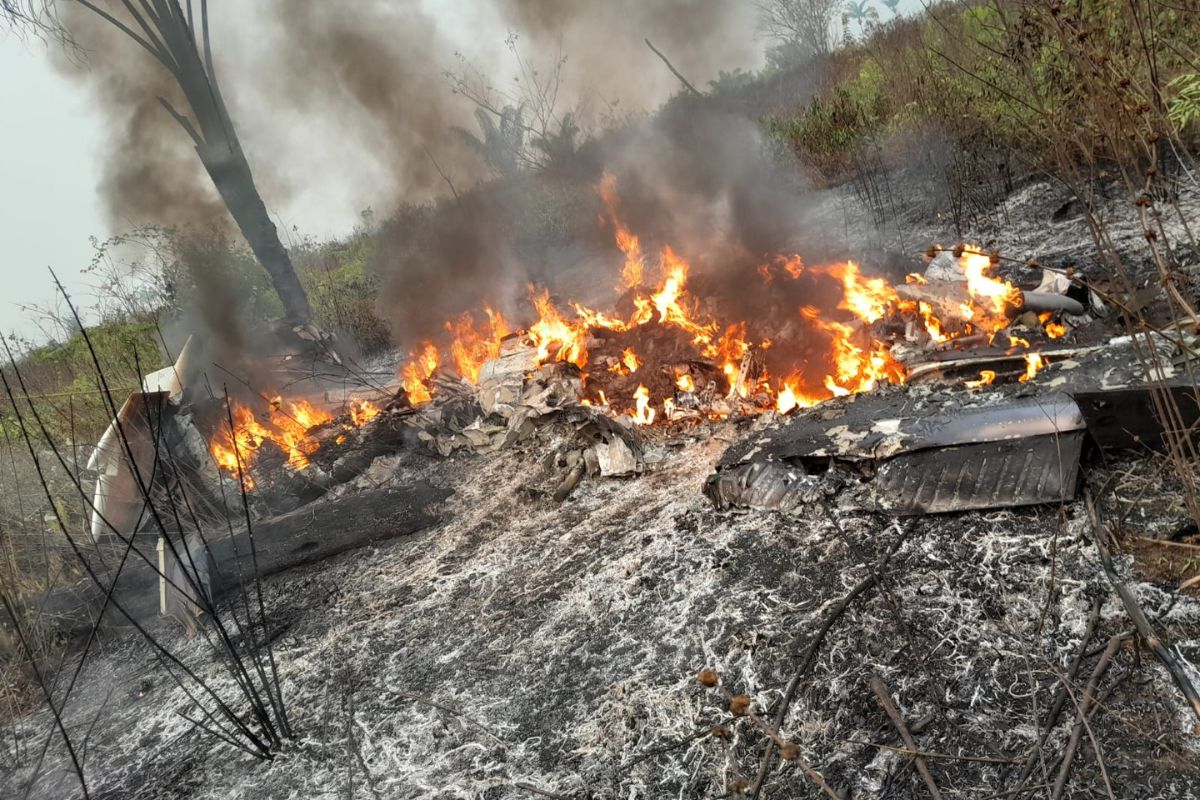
(519, 641)
(518, 647)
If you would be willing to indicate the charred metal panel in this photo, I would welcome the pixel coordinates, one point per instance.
(763, 485)
(1128, 419)
(933, 453)
(1030, 471)
(881, 427)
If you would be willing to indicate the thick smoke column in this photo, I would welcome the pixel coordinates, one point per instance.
(344, 107)
(329, 97)
(150, 173)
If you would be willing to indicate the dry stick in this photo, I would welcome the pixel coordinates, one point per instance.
(907, 751)
(1095, 706)
(144, 490)
(885, 699)
(128, 542)
(810, 656)
(275, 696)
(222, 706)
(27, 436)
(1081, 714)
(529, 787)
(809, 770)
(687, 84)
(1060, 699)
(1165, 654)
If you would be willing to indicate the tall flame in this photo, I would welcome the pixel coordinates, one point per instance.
(418, 370)
(634, 270)
(472, 346)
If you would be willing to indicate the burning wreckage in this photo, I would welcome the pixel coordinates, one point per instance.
(953, 390)
(945, 390)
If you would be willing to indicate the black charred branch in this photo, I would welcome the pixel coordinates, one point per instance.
(165, 30)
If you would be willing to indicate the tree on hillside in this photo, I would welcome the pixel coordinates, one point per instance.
(860, 12)
(501, 146)
(801, 27)
(180, 42)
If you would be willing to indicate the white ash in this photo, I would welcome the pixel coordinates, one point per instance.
(557, 645)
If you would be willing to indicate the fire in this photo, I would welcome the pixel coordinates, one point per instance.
(555, 338)
(285, 425)
(630, 360)
(473, 346)
(986, 378)
(785, 401)
(642, 413)
(1033, 364)
(670, 299)
(1017, 341)
(634, 270)
(418, 370)
(1054, 330)
(839, 353)
(1000, 294)
(933, 325)
(286, 428)
(362, 412)
(869, 299)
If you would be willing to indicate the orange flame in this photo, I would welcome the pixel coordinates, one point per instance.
(868, 299)
(1033, 364)
(630, 360)
(685, 383)
(642, 413)
(986, 378)
(286, 429)
(1054, 330)
(362, 412)
(472, 346)
(634, 270)
(286, 425)
(418, 370)
(555, 338)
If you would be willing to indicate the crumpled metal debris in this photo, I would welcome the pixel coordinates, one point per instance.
(947, 456)
(765, 486)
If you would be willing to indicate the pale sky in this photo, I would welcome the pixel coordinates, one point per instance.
(51, 145)
(49, 148)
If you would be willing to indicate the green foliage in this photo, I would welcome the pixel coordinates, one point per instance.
(1184, 107)
(786, 55)
(558, 147)
(1046, 83)
(838, 126)
(342, 290)
(204, 269)
(860, 12)
(62, 377)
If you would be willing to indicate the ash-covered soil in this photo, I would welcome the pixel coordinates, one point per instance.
(522, 648)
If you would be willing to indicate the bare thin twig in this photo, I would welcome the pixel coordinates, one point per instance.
(889, 706)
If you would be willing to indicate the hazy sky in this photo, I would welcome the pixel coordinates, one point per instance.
(52, 146)
(49, 146)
